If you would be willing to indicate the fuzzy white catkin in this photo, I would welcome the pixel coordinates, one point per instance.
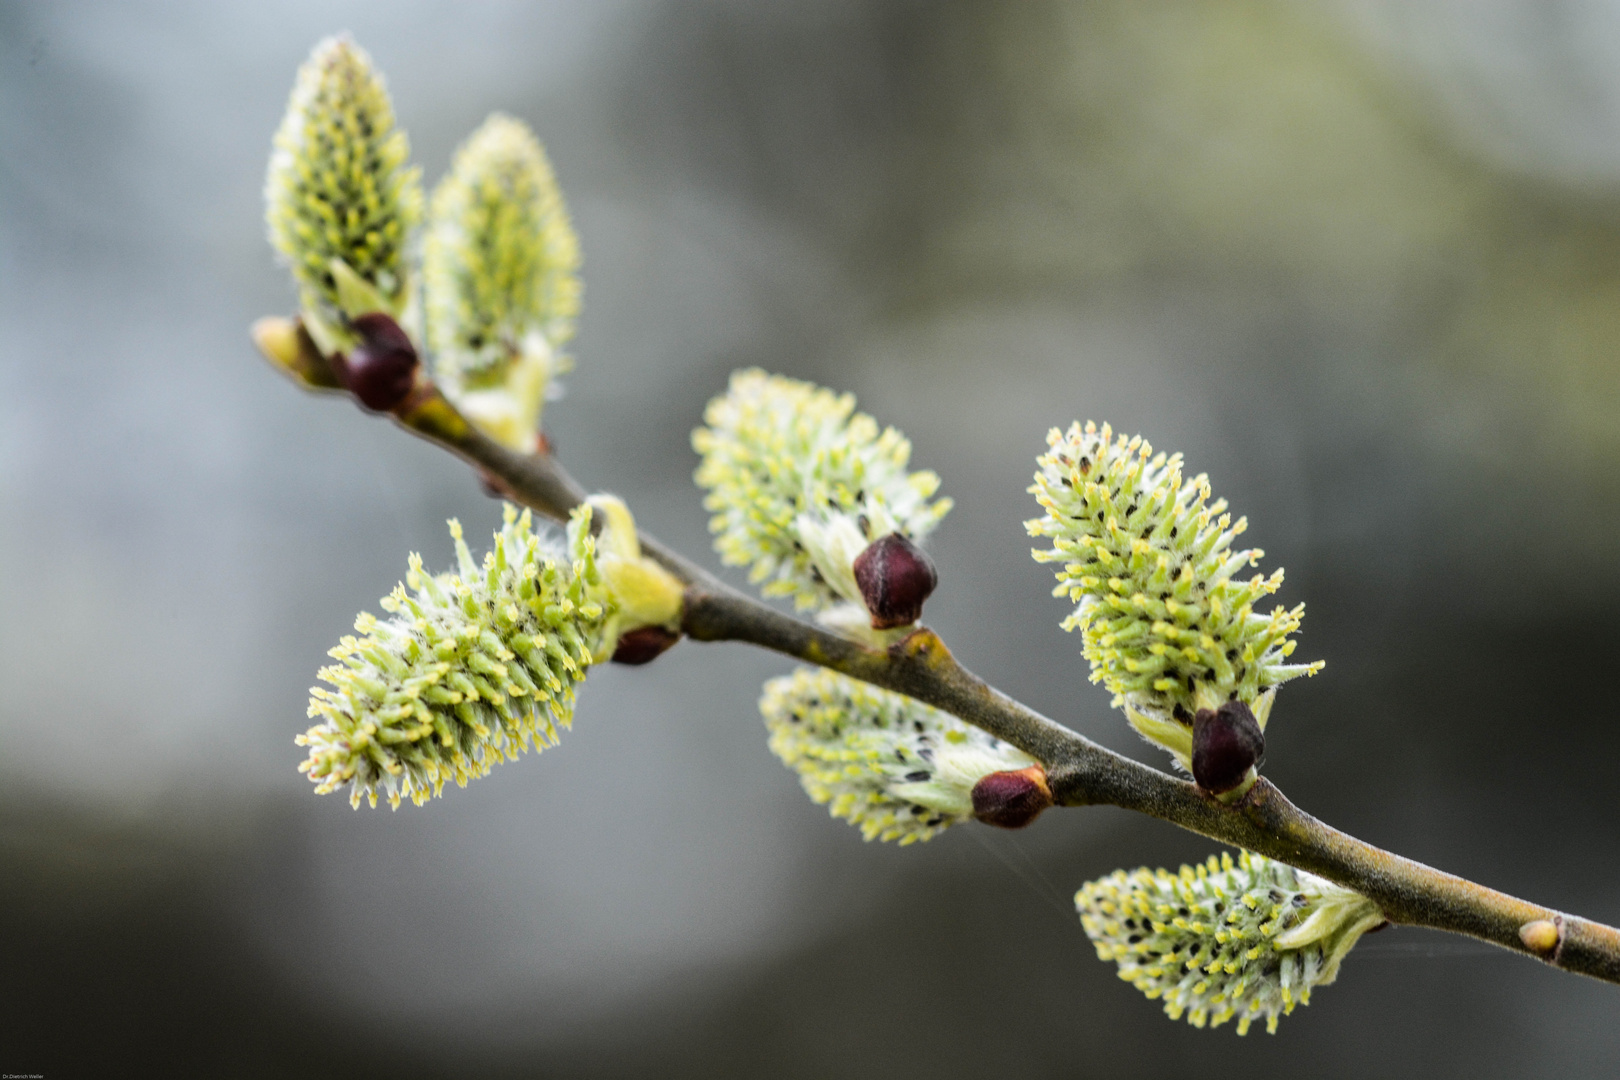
(893, 767)
(469, 668)
(800, 483)
(340, 200)
(1243, 940)
(500, 269)
(1166, 622)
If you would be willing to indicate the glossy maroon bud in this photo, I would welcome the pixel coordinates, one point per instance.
(1011, 799)
(1226, 742)
(895, 577)
(381, 370)
(643, 644)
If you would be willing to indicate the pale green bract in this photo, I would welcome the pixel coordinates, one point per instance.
(800, 483)
(340, 201)
(469, 669)
(1166, 624)
(895, 768)
(500, 268)
(1225, 940)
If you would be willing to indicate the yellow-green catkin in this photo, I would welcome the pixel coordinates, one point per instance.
(340, 200)
(1225, 940)
(500, 265)
(800, 483)
(469, 668)
(1166, 623)
(893, 767)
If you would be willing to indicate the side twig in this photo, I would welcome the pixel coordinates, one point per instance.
(1081, 771)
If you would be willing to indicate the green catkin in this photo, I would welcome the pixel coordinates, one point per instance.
(469, 668)
(500, 266)
(1167, 625)
(340, 200)
(1225, 940)
(800, 483)
(893, 767)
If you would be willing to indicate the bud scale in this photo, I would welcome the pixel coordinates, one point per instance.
(895, 577)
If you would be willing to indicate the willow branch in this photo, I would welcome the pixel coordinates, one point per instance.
(1081, 772)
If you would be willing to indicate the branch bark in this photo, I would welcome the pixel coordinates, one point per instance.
(1081, 772)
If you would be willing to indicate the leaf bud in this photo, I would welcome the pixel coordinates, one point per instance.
(1011, 799)
(895, 578)
(381, 370)
(1541, 936)
(1227, 744)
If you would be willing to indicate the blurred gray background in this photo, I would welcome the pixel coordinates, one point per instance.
(1360, 261)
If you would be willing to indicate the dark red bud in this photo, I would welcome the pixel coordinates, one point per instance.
(1226, 742)
(381, 370)
(895, 577)
(643, 644)
(1011, 799)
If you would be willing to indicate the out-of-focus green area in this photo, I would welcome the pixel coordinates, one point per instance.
(1359, 261)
